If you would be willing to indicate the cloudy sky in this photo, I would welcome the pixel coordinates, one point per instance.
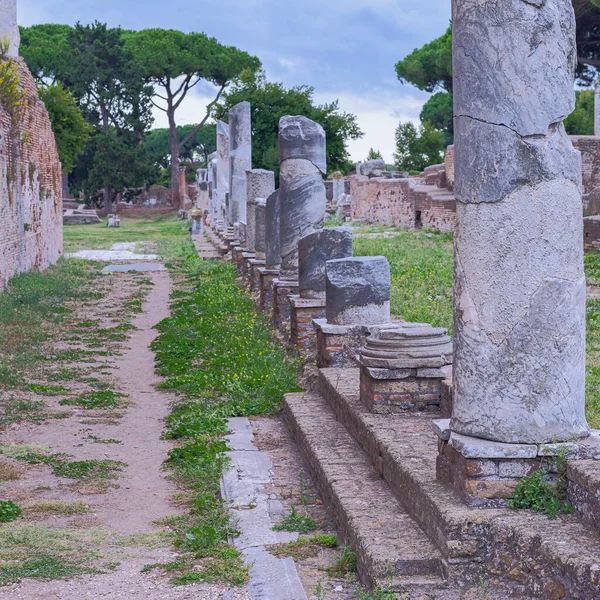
(345, 49)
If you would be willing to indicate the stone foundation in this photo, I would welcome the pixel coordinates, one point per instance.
(400, 390)
(253, 271)
(303, 335)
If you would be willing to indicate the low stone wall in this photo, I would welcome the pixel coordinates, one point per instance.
(30, 188)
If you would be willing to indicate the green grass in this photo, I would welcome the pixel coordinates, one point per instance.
(421, 266)
(88, 469)
(9, 511)
(305, 547)
(296, 522)
(223, 361)
(145, 228)
(96, 399)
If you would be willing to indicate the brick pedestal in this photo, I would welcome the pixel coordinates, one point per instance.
(267, 277)
(303, 335)
(400, 390)
(245, 266)
(281, 304)
(253, 273)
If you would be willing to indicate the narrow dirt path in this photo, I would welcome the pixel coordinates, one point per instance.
(119, 528)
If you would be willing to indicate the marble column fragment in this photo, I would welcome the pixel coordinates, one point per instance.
(259, 184)
(302, 190)
(260, 217)
(358, 291)
(202, 187)
(519, 295)
(240, 159)
(212, 186)
(314, 250)
(272, 232)
(222, 170)
(9, 27)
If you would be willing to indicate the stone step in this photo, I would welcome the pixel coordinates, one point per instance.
(392, 551)
(584, 489)
(544, 558)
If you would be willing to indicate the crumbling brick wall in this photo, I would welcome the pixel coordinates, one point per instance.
(589, 146)
(30, 188)
(402, 202)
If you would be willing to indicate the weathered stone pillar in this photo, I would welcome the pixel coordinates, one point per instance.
(260, 184)
(270, 272)
(9, 27)
(519, 297)
(260, 216)
(314, 250)
(212, 188)
(597, 110)
(302, 191)
(240, 159)
(202, 186)
(222, 170)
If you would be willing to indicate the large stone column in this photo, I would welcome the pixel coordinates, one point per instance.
(222, 168)
(519, 297)
(260, 184)
(302, 190)
(240, 159)
(9, 27)
(597, 110)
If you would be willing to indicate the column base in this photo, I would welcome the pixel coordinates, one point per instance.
(485, 473)
(281, 305)
(339, 346)
(254, 265)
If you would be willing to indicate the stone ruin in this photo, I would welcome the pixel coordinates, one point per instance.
(30, 173)
(416, 469)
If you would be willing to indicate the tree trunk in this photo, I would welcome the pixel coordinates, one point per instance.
(174, 144)
(107, 190)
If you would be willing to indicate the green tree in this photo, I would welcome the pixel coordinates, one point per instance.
(71, 130)
(45, 49)
(114, 97)
(374, 154)
(417, 148)
(176, 62)
(158, 145)
(581, 120)
(438, 111)
(271, 101)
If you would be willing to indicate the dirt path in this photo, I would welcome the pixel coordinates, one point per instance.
(119, 525)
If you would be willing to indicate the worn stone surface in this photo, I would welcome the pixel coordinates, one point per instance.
(519, 301)
(240, 159)
(222, 171)
(358, 291)
(597, 110)
(368, 167)
(259, 184)
(302, 190)
(260, 229)
(254, 512)
(273, 231)
(314, 250)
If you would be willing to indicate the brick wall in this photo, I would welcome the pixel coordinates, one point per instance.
(403, 202)
(589, 146)
(30, 188)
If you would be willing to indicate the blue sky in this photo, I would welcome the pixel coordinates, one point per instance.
(345, 49)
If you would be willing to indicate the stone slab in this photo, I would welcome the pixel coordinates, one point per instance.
(138, 267)
(471, 447)
(441, 428)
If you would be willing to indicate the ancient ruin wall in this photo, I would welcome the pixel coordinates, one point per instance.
(589, 146)
(402, 202)
(30, 188)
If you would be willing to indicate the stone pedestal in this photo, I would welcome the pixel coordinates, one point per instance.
(267, 277)
(303, 335)
(253, 273)
(260, 185)
(281, 304)
(272, 231)
(245, 265)
(402, 369)
(597, 110)
(197, 224)
(222, 172)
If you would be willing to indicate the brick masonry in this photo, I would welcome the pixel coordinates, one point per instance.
(267, 277)
(281, 305)
(589, 146)
(30, 188)
(303, 334)
(382, 394)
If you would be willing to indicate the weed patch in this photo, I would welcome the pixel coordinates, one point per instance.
(55, 507)
(304, 547)
(88, 469)
(96, 399)
(9, 511)
(345, 564)
(296, 522)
